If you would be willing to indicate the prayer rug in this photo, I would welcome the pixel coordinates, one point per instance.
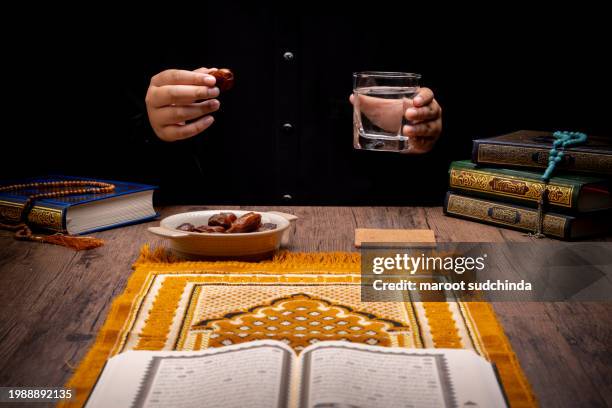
(296, 298)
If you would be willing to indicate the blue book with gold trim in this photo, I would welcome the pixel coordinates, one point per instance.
(80, 214)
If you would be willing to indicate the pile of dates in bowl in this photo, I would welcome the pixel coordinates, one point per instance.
(229, 223)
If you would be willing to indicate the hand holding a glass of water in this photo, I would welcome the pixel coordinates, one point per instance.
(393, 113)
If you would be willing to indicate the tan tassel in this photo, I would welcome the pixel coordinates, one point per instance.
(69, 241)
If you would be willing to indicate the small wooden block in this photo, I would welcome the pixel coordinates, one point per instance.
(393, 236)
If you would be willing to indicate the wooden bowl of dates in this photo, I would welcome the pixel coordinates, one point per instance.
(225, 234)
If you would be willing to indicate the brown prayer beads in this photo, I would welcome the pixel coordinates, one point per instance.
(70, 187)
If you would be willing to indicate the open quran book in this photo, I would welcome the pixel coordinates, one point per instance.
(270, 374)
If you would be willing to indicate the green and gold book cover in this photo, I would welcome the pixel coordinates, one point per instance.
(565, 192)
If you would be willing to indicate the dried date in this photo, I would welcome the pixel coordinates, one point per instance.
(186, 227)
(225, 79)
(249, 222)
(210, 229)
(223, 219)
(268, 226)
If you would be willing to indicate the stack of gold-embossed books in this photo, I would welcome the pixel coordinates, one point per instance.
(501, 185)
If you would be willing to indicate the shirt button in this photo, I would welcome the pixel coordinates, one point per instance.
(287, 127)
(288, 56)
(287, 197)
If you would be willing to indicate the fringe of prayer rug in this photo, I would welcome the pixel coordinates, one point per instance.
(297, 298)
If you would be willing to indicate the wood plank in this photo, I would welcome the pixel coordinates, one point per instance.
(587, 329)
(552, 365)
(393, 236)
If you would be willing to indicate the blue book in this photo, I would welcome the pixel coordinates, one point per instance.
(80, 214)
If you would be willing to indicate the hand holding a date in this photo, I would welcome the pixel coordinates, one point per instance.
(180, 103)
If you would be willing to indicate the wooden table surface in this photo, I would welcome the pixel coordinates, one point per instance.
(54, 300)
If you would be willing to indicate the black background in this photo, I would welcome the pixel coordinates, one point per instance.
(73, 83)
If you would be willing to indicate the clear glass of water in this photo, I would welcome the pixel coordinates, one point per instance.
(380, 101)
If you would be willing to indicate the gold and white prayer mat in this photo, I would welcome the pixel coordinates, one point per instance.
(296, 298)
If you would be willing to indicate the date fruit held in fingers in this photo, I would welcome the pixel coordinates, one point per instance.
(225, 79)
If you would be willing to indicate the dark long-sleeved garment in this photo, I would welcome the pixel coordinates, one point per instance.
(284, 133)
(285, 130)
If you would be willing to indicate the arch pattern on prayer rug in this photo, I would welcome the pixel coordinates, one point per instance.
(300, 320)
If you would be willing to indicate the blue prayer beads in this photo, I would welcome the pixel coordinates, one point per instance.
(563, 140)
